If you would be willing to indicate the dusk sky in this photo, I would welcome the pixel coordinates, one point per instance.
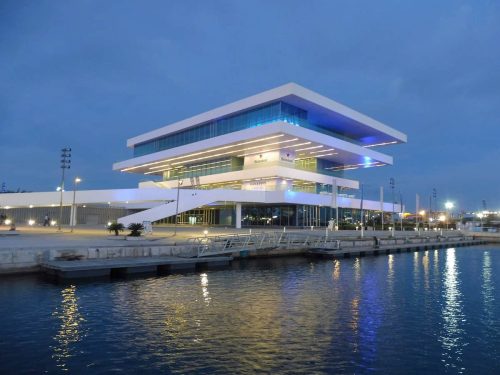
(90, 74)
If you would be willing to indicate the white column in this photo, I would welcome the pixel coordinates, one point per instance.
(72, 215)
(238, 215)
(335, 203)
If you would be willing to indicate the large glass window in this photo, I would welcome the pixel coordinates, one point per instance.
(277, 111)
(318, 165)
(270, 113)
(213, 166)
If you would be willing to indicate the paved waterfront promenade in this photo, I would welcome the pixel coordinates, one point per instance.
(92, 236)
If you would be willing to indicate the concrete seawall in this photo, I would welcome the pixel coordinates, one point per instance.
(30, 259)
(492, 237)
(25, 260)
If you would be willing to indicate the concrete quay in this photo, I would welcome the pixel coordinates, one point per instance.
(395, 248)
(37, 249)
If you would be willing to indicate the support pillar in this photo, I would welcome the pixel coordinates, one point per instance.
(238, 215)
(72, 215)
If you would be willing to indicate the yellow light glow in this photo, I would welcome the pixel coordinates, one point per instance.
(202, 152)
(309, 148)
(230, 152)
(315, 152)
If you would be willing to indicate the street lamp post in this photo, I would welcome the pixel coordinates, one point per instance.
(392, 183)
(448, 205)
(76, 181)
(401, 210)
(65, 164)
(480, 216)
(179, 184)
(362, 213)
(422, 218)
(433, 195)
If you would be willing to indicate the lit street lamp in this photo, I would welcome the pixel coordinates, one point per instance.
(179, 184)
(422, 215)
(73, 207)
(448, 205)
(65, 164)
(392, 183)
(480, 216)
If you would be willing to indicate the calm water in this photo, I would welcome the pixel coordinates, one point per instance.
(430, 312)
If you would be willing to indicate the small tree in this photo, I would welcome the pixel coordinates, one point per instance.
(116, 227)
(135, 229)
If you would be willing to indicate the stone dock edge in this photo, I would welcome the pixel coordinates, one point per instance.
(119, 261)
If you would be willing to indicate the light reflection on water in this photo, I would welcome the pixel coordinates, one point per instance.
(70, 329)
(488, 289)
(452, 335)
(401, 313)
(425, 264)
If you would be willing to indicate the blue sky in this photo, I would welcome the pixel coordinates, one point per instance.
(90, 74)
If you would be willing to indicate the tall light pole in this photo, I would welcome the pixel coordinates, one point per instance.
(362, 213)
(401, 209)
(179, 184)
(65, 164)
(422, 218)
(76, 181)
(448, 205)
(392, 183)
(480, 216)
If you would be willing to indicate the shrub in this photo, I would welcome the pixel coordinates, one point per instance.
(116, 227)
(135, 229)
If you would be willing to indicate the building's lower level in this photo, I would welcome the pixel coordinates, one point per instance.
(238, 208)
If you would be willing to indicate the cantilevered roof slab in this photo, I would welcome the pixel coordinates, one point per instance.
(272, 137)
(322, 112)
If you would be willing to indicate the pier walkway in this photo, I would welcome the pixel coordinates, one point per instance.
(314, 242)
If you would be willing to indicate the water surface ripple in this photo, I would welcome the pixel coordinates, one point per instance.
(433, 312)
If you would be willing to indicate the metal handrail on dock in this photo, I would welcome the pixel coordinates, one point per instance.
(215, 245)
(223, 244)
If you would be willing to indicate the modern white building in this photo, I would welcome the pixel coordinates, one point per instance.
(272, 158)
(276, 158)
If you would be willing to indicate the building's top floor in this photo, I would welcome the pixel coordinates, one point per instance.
(289, 103)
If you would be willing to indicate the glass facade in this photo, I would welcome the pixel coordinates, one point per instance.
(278, 111)
(214, 166)
(270, 113)
(318, 165)
(288, 215)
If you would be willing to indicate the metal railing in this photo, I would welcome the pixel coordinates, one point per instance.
(215, 245)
